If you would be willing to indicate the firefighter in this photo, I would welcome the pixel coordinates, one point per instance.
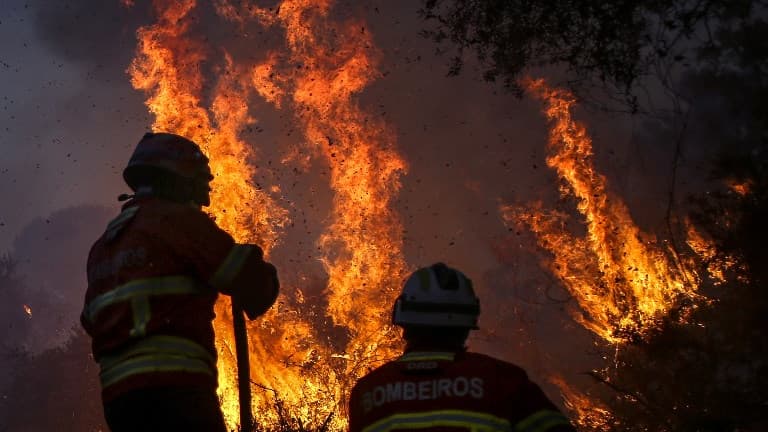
(153, 278)
(436, 385)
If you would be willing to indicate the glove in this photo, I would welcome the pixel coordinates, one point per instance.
(259, 286)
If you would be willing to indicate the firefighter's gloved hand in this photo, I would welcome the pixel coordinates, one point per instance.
(261, 292)
(251, 281)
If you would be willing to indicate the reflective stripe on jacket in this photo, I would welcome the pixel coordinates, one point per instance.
(232, 265)
(156, 354)
(153, 280)
(469, 420)
(138, 293)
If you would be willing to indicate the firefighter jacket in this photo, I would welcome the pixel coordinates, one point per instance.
(153, 278)
(451, 391)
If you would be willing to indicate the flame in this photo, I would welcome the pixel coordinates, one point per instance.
(299, 370)
(587, 413)
(362, 247)
(740, 187)
(28, 310)
(717, 266)
(623, 279)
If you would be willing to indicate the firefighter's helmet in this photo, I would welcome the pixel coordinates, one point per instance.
(173, 155)
(437, 296)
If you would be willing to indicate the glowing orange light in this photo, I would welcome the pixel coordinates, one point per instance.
(295, 367)
(586, 411)
(742, 188)
(28, 310)
(623, 280)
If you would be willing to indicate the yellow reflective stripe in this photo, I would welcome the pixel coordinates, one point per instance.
(472, 420)
(426, 355)
(541, 421)
(141, 315)
(125, 215)
(153, 363)
(159, 344)
(142, 287)
(156, 354)
(113, 228)
(231, 265)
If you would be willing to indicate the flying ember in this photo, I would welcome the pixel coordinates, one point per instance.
(623, 279)
(314, 76)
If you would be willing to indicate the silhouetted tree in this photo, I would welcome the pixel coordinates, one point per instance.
(613, 43)
(709, 370)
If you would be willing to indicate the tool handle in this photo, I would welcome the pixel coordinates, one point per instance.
(243, 367)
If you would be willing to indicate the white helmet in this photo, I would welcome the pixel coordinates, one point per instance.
(437, 296)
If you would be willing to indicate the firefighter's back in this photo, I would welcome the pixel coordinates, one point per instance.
(451, 391)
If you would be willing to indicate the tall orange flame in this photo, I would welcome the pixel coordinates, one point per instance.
(623, 280)
(304, 373)
(362, 246)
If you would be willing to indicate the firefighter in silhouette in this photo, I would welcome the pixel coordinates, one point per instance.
(436, 385)
(153, 278)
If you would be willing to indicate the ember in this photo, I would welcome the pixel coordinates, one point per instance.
(623, 279)
(294, 368)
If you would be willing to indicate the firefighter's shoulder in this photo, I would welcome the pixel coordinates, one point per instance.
(485, 364)
(180, 218)
(382, 373)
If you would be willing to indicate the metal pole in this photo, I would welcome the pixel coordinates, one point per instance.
(243, 367)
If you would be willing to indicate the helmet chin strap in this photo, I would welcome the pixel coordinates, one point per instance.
(142, 191)
(146, 191)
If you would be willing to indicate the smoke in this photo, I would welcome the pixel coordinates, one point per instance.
(97, 34)
(74, 118)
(42, 284)
(51, 254)
(70, 117)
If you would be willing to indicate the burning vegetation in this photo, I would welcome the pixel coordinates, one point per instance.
(626, 284)
(624, 280)
(637, 293)
(673, 317)
(316, 75)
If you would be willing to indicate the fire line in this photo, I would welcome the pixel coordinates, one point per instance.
(295, 370)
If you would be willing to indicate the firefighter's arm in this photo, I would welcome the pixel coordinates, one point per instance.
(246, 276)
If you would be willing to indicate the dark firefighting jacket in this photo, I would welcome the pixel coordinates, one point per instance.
(153, 278)
(451, 391)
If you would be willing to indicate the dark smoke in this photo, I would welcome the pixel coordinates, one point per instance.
(50, 253)
(97, 34)
(469, 146)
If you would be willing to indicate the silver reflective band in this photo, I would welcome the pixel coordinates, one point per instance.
(471, 420)
(142, 287)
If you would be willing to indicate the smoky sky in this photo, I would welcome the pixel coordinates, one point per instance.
(98, 34)
(70, 119)
(49, 252)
